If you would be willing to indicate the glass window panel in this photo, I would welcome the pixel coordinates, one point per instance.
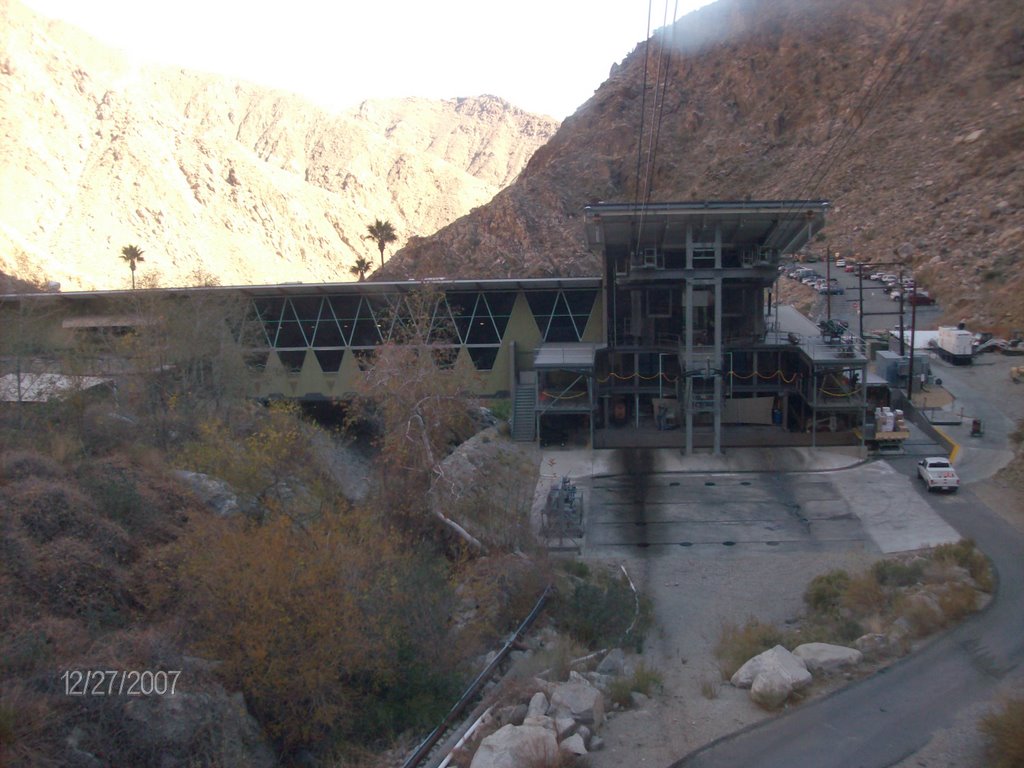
(444, 330)
(483, 357)
(562, 329)
(292, 359)
(541, 303)
(500, 304)
(580, 302)
(330, 359)
(482, 331)
(365, 332)
(306, 307)
(462, 306)
(290, 335)
(328, 334)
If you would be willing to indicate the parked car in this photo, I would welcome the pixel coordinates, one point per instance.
(937, 472)
(833, 289)
(920, 298)
(840, 262)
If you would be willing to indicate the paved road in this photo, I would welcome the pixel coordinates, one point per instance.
(885, 718)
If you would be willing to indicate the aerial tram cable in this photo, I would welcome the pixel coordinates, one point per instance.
(869, 101)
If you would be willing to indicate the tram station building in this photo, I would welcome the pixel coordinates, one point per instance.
(678, 342)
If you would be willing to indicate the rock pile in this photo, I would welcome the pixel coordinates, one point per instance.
(774, 675)
(560, 719)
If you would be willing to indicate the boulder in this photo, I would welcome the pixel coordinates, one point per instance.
(514, 746)
(216, 494)
(872, 644)
(779, 662)
(772, 676)
(573, 745)
(770, 690)
(564, 725)
(541, 721)
(581, 699)
(538, 705)
(612, 663)
(827, 658)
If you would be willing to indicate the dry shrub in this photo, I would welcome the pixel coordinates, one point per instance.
(922, 612)
(1005, 730)
(136, 495)
(896, 573)
(738, 644)
(864, 596)
(75, 581)
(708, 688)
(27, 722)
(495, 594)
(825, 592)
(964, 554)
(957, 601)
(333, 630)
(557, 660)
(18, 465)
(49, 509)
(29, 647)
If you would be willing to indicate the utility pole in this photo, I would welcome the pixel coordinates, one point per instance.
(828, 281)
(860, 298)
(913, 331)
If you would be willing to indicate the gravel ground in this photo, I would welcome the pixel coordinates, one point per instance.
(693, 598)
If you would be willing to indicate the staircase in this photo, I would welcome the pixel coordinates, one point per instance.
(523, 413)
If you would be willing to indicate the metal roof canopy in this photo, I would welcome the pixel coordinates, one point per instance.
(568, 357)
(783, 224)
(328, 289)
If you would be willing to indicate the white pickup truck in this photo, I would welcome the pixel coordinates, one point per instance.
(937, 472)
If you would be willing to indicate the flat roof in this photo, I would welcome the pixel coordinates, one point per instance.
(569, 356)
(42, 387)
(324, 289)
(785, 225)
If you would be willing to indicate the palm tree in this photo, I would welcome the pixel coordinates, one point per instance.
(382, 233)
(133, 255)
(361, 267)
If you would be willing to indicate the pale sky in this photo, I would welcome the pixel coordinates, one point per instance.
(544, 56)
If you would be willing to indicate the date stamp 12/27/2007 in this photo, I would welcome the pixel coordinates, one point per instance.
(119, 682)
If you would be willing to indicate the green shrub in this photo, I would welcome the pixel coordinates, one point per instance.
(643, 680)
(825, 592)
(1005, 729)
(501, 409)
(603, 611)
(738, 644)
(576, 568)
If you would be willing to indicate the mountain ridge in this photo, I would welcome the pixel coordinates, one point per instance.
(906, 115)
(216, 178)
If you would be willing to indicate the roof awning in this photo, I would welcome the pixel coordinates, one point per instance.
(42, 387)
(570, 357)
(105, 321)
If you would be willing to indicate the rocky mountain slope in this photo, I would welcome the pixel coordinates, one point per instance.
(907, 114)
(217, 178)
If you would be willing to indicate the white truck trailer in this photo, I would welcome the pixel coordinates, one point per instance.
(955, 345)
